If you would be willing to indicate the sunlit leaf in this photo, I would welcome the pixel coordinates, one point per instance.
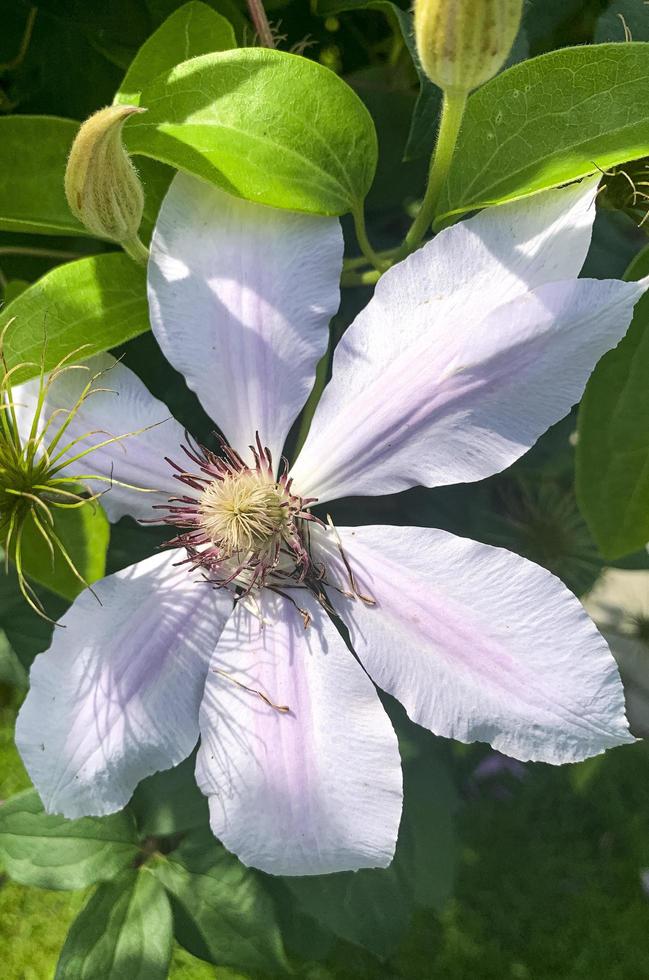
(548, 121)
(94, 303)
(262, 124)
(191, 30)
(123, 933)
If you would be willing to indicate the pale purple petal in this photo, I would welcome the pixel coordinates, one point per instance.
(119, 405)
(312, 790)
(441, 399)
(116, 696)
(478, 644)
(241, 296)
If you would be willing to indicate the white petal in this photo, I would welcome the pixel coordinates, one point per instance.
(310, 791)
(241, 296)
(116, 696)
(479, 644)
(119, 405)
(457, 399)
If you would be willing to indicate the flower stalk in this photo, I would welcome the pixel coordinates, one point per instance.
(453, 109)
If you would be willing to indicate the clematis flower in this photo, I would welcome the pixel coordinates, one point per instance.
(468, 351)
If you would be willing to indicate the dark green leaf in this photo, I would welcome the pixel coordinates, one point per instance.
(613, 444)
(27, 633)
(548, 121)
(264, 125)
(232, 921)
(155, 178)
(94, 303)
(373, 908)
(639, 267)
(621, 17)
(48, 851)
(191, 30)
(123, 933)
(12, 671)
(170, 802)
(33, 154)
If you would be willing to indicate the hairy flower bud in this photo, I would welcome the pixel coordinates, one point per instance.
(101, 184)
(463, 43)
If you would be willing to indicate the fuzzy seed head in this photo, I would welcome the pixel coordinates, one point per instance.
(463, 43)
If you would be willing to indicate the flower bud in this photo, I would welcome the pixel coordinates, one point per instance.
(101, 184)
(463, 43)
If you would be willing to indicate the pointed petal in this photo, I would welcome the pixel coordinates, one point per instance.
(120, 404)
(241, 296)
(116, 696)
(479, 644)
(312, 790)
(457, 399)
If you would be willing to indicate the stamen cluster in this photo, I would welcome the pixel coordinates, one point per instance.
(33, 485)
(244, 525)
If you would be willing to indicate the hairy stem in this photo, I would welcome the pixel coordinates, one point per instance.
(136, 250)
(260, 21)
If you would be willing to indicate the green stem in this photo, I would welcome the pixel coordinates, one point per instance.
(136, 250)
(369, 278)
(373, 257)
(361, 261)
(449, 128)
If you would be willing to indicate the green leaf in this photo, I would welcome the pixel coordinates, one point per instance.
(229, 919)
(94, 303)
(123, 933)
(373, 908)
(12, 671)
(191, 30)
(423, 125)
(13, 289)
(161, 9)
(170, 802)
(48, 851)
(612, 463)
(264, 125)
(33, 155)
(155, 179)
(84, 533)
(639, 267)
(27, 633)
(550, 120)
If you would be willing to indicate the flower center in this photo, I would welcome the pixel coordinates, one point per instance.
(241, 525)
(244, 513)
